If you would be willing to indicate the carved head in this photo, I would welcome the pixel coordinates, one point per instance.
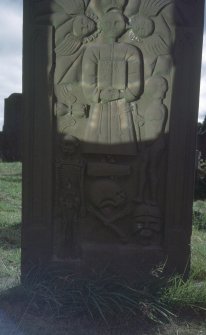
(113, 24)
(147, 220)
(83, 26)
(142, 26)
(107, 5)
(70, 144)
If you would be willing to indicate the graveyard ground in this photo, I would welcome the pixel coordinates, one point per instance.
(20, 313)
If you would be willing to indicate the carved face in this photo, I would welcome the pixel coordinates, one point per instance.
(83, 26)
(111, 4)
(147, 221)
(70, 144)
(113, 24)
(142, 26)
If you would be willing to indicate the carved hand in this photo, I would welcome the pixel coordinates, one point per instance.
(109, 94)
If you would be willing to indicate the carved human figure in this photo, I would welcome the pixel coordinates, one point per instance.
(111, 79)
(152, 34)
(68, 216)
(69, 38)
(155, 118)
(103, 6)
(71, 27)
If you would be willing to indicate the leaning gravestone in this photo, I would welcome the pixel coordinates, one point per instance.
(110, 106)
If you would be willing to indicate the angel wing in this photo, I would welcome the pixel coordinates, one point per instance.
(86, 2)
(153, 7)
(72, 7)
(58, 11)
(68, 46)
(157, 45)
(132, 8)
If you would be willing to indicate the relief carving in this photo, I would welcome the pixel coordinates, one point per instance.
(108, 203)
(101, 7)
(112, 86)
(154, 115)
(151, 33)
(69, 200)
(69, 40)
(147, 224)
(111, 79)
(153, 140)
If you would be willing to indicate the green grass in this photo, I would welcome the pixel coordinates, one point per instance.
(198, 264)
(199, 215)
(191, 294)
(43, 309)
(10, 219)
(185, 295)
(100, 296)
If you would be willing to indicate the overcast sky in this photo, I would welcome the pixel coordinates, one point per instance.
(10, 50)
(11, 55)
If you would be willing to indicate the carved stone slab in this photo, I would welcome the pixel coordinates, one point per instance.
(110, 106)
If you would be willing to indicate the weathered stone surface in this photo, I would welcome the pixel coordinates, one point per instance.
(110, 106)
(1, 145)
(12, 129)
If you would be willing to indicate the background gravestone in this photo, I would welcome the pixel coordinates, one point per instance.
(110, 107)
(201, 139)
(12, 128)
(1, 145)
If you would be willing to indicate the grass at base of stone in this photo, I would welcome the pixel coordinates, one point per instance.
(10, 218)
(190, 295)
(185, 295)
(100, 296)
(198, 260)
(36, 310)
(24, 317)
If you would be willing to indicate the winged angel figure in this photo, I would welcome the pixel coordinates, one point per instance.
(70, 37)
(73, 29)
(71, 34)
(151, 33)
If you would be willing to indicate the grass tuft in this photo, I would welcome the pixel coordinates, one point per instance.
(60, 294)
(99, 296)
(185, 294)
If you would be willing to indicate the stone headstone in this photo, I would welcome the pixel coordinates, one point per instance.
(110, 106)
(12, 129)
(1, 145)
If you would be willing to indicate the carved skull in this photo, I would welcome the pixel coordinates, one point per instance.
(70, 144)
(147, 220)
(107, 193)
